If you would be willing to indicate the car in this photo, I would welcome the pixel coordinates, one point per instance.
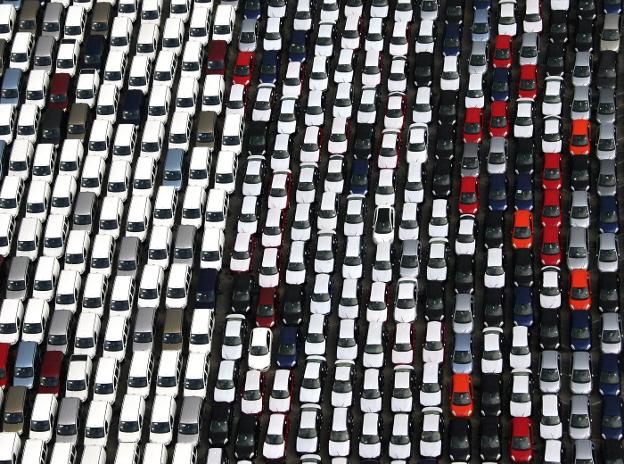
(581, 377)
(551, 173)
(437, 262)
(462, 396)
(402, 395)
(550, 252)
(491, 395)
(497, 192)
(270, 67)
(220, 425)
(459, 436)
(281, 391)
(580, 419)
(499, 122)
(492, 357)
(611, 424)
(340, 435)
(507, 18)
(430, 444)
(462, 354)
(521, 439)
(522, 233)
(473, 125)
(610, 335)
(247, 437)
(243, 68)
(287, 347)
(480, 30)
(608, 218)
(500, 85)
(259, 356)
(521, 400)
(468, 195)
(502, 56)
(580, 290)
(297, 51)
(580, 138)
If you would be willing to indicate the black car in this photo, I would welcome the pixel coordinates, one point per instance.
(454, 11)
(494, 229)
(493, 307)
(549, 332)
(523, 267)
(246, 441)
(579, 172)
(490, 439)
(434, 301)
(364, 141)
(442, 170)
(525, 155)
(133, 108)
(53, 126)
(555, 60)
(257, 144)
(558, 32)
(95, 52)
(292, 307)
(612, 452)
(447, 107)
(423, 69)
(459, 439)
(445, 143)
(608, 296)
(206, 290)
(491, 398)
(220, 424)
(586, 9)
(584, 40)
(607, 70)
(464, 274)
(243, 293)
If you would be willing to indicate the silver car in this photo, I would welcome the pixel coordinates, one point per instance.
(580, 418)
(463, 321)
(611, 334)
(581, 376)
(584, 451)
(582, 71)
(581, 103)
(190, 419)
(497, 156)
(610, 36)
(606, 106)
(607, 141)
(470, 160)
(248, 39)
(550, 373)
(529, 48)
(481, 26)
(478, 62)
(607, 180)
(462, 354)
(577, 257)
(607, 253)
(579, 209)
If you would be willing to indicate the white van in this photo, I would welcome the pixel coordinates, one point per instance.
(223, 27)
(21, 50)
(8, 15)
(233, 131)
(94, 295)
(44, 161)
(63, 453)
(10, 447)
(184, 453)
(93, 454)
(131, 419)
(165, 68)
(37, 86)
(225, 171)
(144, 177)
(75, 23)
(46, 276)
(150, 288)
(173, 35)
(125, 142)
(43, 417)
(213, 93)
(127, 453)
(87, 333)
(216, 209)
(147, 42)
(122, 296)
(139, 215)
(199, 30)
(199, 167)
(202, 325)
(67, 290)
(119, 180)
(153, 139)
(92, 175)
(70, 160)
(162, 421)
(155, 453)
(35, 320)
(101, 138)
(140, 373)
(77, 250)
(121, 34)
(192, 60)
(212, 249)
(140, 74)
(35, 451)
(196, 372)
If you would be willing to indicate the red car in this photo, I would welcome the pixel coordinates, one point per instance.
(473, 125)
(550, 253)
(4, 364)
(551, 172)
(502, 51)
(499, 124)
(469, 195)
(527, 88)
(216, 57)
(521, 441)
(551, 209)
(50, 376)
(244, 68)
(266, 311)
(581, 137)
(59, 91)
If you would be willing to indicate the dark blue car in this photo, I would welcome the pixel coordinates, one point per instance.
(269, 68)
(497, 192)
(253, 9)
(612, 6)
(500, 85)
(452, 39)
(580, 330)
(608, 221)
(523, 194)
(287, 347)
(523, 306)
(611, 426)
(359, 177)
(298, 48)
(609, 380)
(482, 4)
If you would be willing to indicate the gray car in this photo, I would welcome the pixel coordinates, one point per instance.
(581, 103)
(610, 36)
(478, 61)
(584, 451)
(607, 141)
(606, 106)
(184, 245)
(248, 39)
(462, 314)
(577, 256)
(68, 422)
(582, 71)
(462, 354)
(611, 334)
(45, 53)
(410, 259)
(481, 26)
(529, 48)
(581, 375)
(607, 180)
(550, 373)
(18, 282)
(497, 156)
(53, 20)
(580, 418)
(607, 253)
(470, 160)
(127, 260)
(190, 419)
(579, 209)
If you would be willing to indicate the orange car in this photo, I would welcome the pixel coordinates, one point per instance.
(581, 137)
(580, 290)
(522, 229)
(461, 397)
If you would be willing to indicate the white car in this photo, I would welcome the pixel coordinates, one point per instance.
(439, 221)
(352, 265)
(370, 439)
(450, 77)
(475, 97)
(437, 267)
(425, 39)
(423, 110)
(374, 38)
(252, 182)
(399, 43)
(397, 78)
(383, 225)
(409, 227)
(430, 393)
(272, 231)
(274, 446)
(248, 219)
(494, 272)
(324, 46)
(312, 381)
(507, 18)
(385, 190)
(532, 17)
(417, 144)
(343, 101)
(523, 124)
(492, 356)
(520, 353)
(550, 291)
(402, 399)
(278, 197)
(551, 136)
(259, 356)
(372, 390)
(382, 266)
(280, 397)
(213, 93)
(342, 387)
(272, 36)
(552, 102)
(269, 275)
(339, 136)
(340, 433)
(402, 349)
(376, 309)
(395, 111)
(287, 119)
(433, 348)
(296, 266)
(431, 436)
(344, 68)
(334, 179)
(242, 252)
(321, 298)
(347, 347)
(315, 339)
(262, 106)
(521, 394)
(251, 398)
(308, 435)
(465, 241)
(315, 113)
(551, 427)
(354, 220)
(234, 334)
(225, 388)
(405, 301)
(324, 258)
(291, 87)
